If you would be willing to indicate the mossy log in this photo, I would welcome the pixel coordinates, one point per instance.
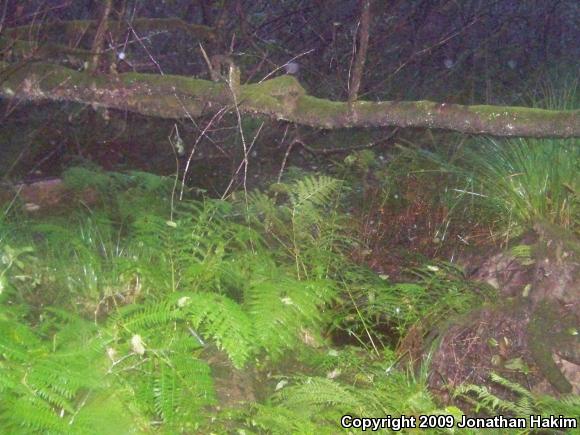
(282, 98)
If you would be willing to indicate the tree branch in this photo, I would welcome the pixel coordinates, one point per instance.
(280, 98)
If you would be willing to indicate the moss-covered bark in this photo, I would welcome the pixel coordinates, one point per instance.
(281, 98)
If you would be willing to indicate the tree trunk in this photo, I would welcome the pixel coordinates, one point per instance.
(361, 52)
(99, 41)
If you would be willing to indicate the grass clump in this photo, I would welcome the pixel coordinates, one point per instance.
(520, 181)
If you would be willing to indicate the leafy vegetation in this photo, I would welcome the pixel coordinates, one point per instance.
(514, 183)
(519, 182)
(113, 317)
(129, 310)
(523, 404)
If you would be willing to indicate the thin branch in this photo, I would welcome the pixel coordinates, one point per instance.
(286, 154)
(199, 138)
(344, 150)
(241, 165)
(282, 66)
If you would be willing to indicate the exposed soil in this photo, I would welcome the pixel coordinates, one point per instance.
(543, 289)
(528, 336)
(490, 339)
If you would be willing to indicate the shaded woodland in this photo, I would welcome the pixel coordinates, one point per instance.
(259, 217)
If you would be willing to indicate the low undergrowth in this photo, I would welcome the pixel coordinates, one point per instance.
(112, 317)
(512, 184)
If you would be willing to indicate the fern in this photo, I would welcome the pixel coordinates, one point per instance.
(181, 388)
(313, 191)
(371, 304)
(162, 287)
(110, 411)
(135, 318)
(320, 402)
(276, 419)
(167, 381)
(306, 226)
(282, 309)
(315, 394)
(567, 405)
(45, 393)
(525, 403)
(225, 322)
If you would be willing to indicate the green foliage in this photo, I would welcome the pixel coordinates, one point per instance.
(282, 310)
(56, 377)
(302, 222)
(489, 402)
(315, 404)
(567, 405)
(52, 374)
(446, 292)
(525, 402)
(224, 321)
(436, 292)
(557, 90)
(86, 267)
(528, 180)
(108, 318)
(271, 319)
(123, 195)
(513, 183)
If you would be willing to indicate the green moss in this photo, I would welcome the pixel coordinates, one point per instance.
(173, 82)
(278, 86)
(324, 110)
(279, 95)
(522, 114)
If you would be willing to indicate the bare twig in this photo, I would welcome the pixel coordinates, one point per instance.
(242, 163)
(286, 154)
(207, 61)
(282, 66)
(199, 138)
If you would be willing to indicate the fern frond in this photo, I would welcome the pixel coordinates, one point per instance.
(279, 420)
(30, 414)
(135, 318)
(317, 191)
(15, 340)
(181, 388)
(110, 411)
(510, 385)
(491, 403)
(566, 405)
(225, 322)
(317, 394)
